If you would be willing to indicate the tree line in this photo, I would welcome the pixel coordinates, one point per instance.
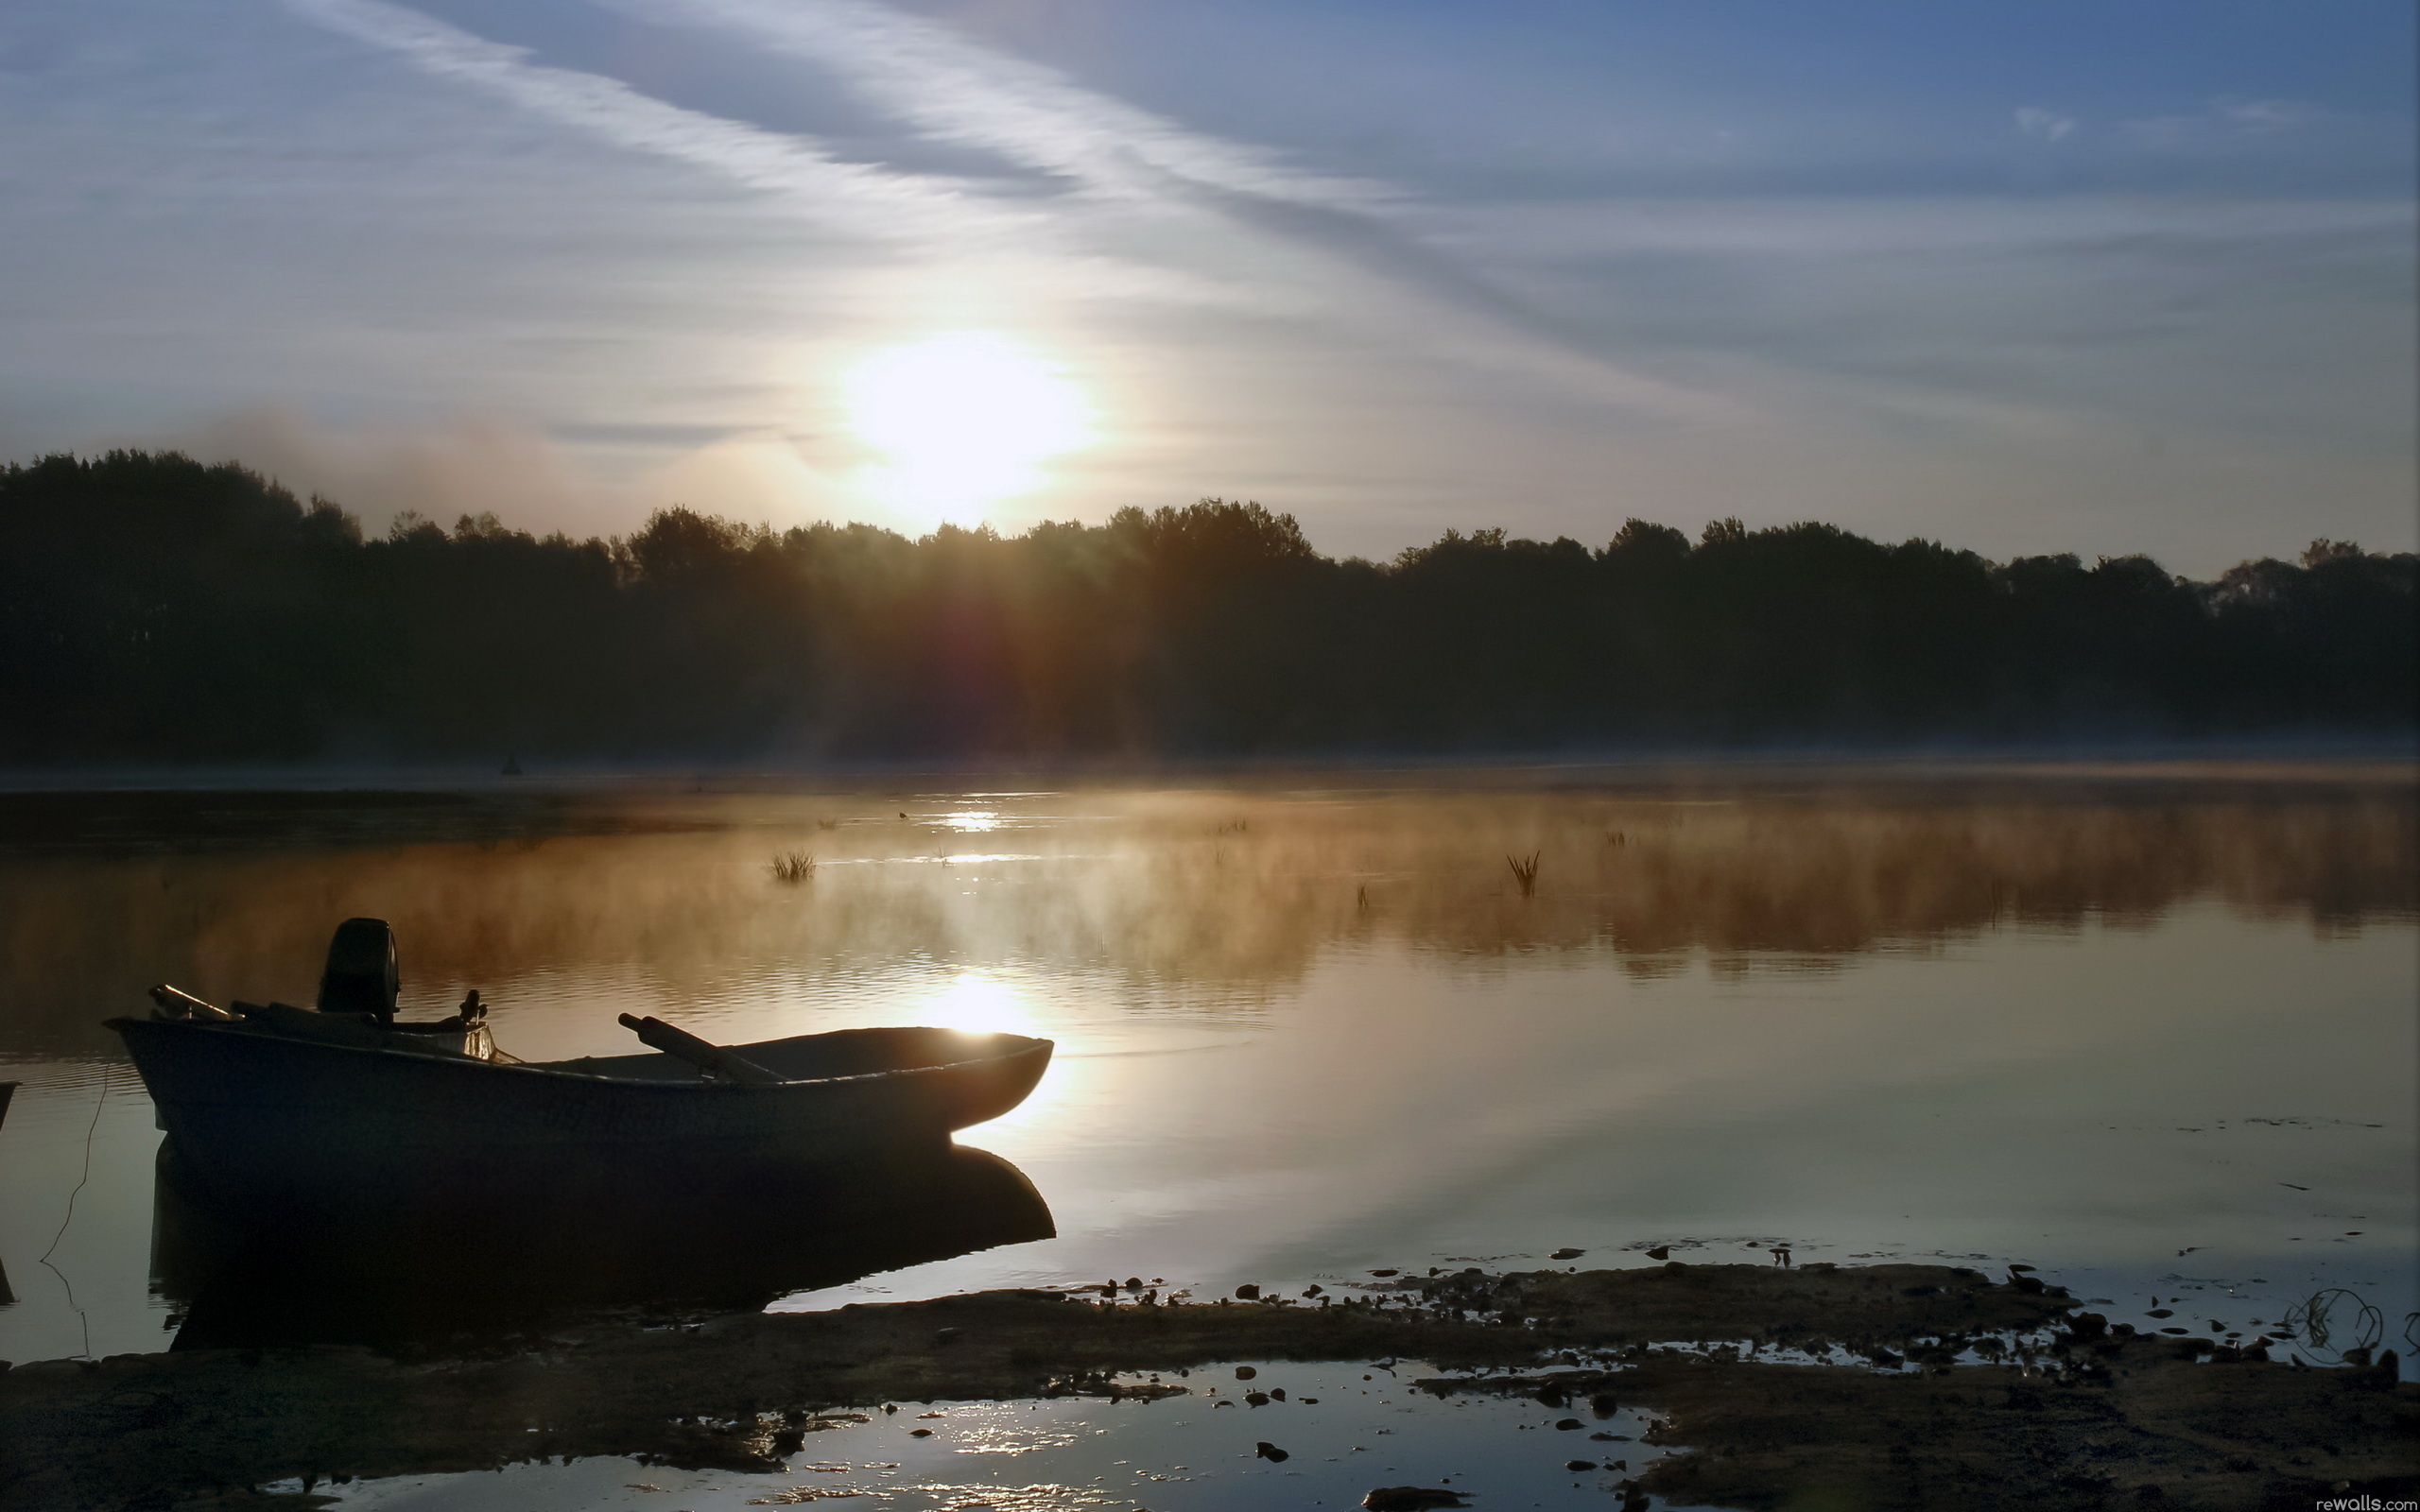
(156, 609)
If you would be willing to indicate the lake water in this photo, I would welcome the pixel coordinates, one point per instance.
(2148, 1028)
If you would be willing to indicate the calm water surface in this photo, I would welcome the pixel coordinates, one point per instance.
(2149, 1029)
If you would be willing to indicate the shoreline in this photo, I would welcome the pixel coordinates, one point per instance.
(2392, 760)
(2003, 1388)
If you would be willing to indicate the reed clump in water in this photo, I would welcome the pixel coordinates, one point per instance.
(794, 866)
(1525, 872)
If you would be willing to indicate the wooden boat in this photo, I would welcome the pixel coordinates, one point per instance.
(271, 1098)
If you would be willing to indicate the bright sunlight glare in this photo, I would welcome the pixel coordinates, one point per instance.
(965, 419)
(977, 1003)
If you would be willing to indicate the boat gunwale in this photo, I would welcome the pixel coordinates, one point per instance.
(1031, 1043)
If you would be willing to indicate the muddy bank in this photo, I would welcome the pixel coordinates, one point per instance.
(2088, 1423)
(2140, 1425)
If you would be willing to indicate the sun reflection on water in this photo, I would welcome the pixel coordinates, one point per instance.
(978, 1005)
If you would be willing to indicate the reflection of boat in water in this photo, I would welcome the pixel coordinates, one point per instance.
(353, 1267)
(269, 1099)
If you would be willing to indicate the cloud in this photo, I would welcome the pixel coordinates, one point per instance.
(1121, 159)
(2035, 120)
(2225, 121)
(954, 90)
(2262, 117)
(866, 200)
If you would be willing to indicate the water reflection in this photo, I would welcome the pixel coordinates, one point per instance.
(1202, 901)
(350, 1267)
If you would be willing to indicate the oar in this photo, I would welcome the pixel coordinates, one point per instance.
(697, 1052)
(176, 1004)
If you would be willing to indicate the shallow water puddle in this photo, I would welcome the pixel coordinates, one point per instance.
(1342, 1431)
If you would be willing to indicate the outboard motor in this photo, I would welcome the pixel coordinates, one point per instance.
(362, 976)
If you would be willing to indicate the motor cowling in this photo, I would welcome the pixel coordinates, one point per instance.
(363, 974)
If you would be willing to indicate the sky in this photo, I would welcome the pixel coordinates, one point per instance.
(2101, 276)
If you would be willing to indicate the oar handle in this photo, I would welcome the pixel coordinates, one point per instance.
(178, 1005)
(697, 1052)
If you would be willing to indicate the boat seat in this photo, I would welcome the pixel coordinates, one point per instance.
(361, 1031)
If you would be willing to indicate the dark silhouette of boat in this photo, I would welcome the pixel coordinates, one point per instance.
(265, 1100)
(489, 1264)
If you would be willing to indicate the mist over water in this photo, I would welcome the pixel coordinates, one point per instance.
(2149, 1030)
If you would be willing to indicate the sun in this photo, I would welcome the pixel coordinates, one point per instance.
(964, 419)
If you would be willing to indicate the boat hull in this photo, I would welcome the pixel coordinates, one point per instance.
(257, 1114)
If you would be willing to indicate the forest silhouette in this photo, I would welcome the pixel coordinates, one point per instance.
(153, 609)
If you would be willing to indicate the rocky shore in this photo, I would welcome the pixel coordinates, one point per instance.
(1942, 1387)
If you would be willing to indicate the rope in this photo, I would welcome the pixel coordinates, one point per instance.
(90, 1130)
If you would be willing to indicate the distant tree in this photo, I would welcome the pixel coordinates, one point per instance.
(156, 609)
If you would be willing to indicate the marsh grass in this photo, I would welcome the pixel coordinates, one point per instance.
(793, 866)
(1525, 872)
(2335, 1326)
